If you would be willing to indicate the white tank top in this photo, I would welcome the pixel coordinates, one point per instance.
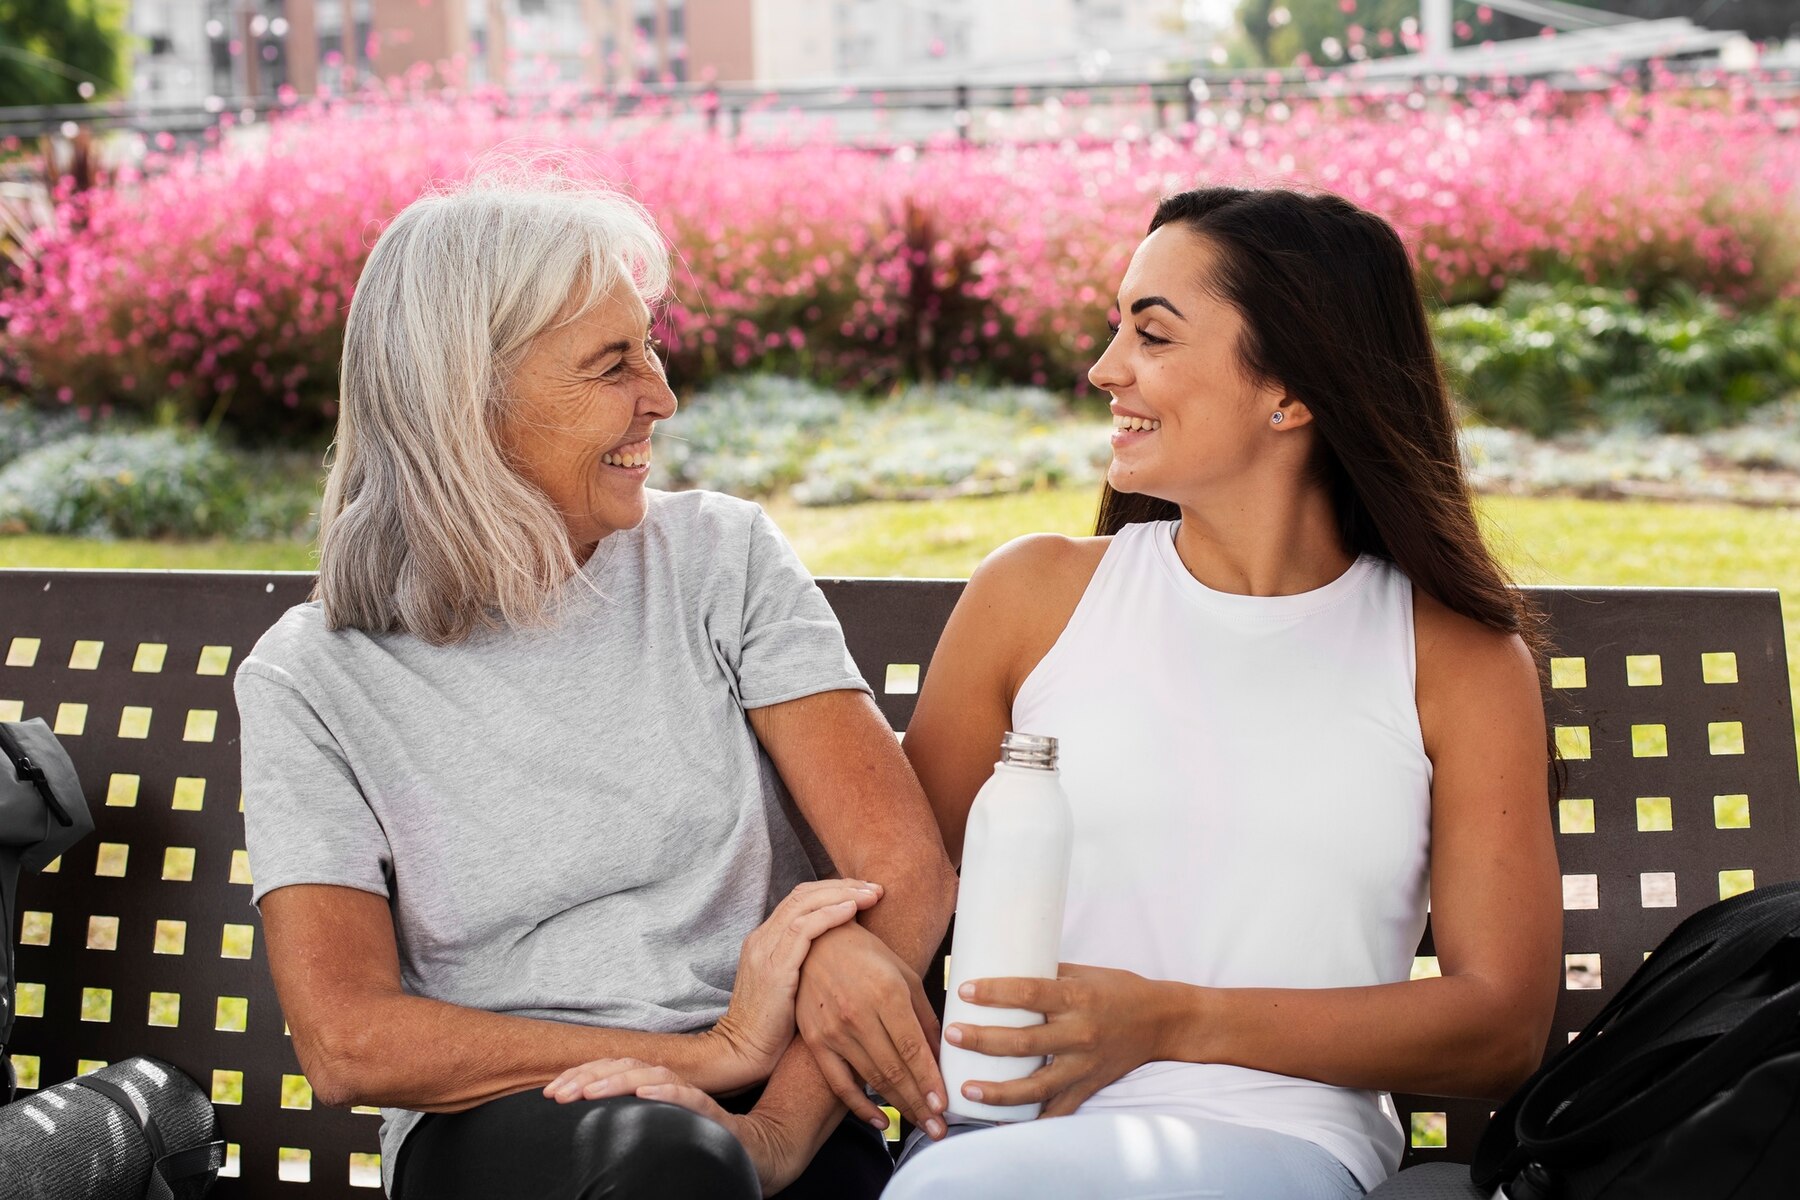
(1252, 806)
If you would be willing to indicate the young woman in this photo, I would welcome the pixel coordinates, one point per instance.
(1295, 701)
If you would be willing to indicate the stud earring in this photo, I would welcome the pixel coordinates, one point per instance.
(1276, 419)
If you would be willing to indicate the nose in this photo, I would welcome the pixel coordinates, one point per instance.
(1111, 373)
(657, 400)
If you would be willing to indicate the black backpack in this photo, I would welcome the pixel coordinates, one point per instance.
(1685, 1087)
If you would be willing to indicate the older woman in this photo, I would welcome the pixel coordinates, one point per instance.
(527, 778)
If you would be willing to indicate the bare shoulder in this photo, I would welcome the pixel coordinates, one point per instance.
(1021, 597)
(1467, 671)
(1040, 560)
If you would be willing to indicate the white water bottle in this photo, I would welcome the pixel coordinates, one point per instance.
(1009, 910)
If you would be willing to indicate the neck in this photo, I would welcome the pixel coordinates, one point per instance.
(1278, 544)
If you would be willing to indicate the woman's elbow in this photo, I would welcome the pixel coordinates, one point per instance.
(341, 1063)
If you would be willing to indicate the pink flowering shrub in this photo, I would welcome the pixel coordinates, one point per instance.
(216, 283)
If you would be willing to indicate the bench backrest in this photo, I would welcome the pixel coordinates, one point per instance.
(1673, 711)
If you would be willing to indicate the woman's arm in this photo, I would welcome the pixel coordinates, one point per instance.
(861, 1007)
(362, 1039)
(1496, 921)
(1012, 611)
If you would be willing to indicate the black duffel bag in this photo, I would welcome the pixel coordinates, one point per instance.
(1685, 1087)
(134, 1130)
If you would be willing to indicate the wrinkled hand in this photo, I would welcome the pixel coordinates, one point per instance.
(778, 1157)
(1099, 1025)
(863, 1012)
(759, 1023)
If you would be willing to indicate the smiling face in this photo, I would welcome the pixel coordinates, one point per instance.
(1188, 422)
(585, 399)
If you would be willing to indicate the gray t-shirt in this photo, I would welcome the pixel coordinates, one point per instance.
(574, 823)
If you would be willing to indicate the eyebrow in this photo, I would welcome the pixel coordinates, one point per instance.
(1143, 302)
(608, 349)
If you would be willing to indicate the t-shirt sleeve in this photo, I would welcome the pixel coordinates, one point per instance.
(791, 645)
(305, 819)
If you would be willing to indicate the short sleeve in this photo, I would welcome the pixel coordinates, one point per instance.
(791, 645)
(305, 819)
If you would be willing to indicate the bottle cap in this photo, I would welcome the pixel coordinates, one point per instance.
(1028, 750)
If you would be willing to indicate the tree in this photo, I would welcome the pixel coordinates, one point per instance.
(50, 49)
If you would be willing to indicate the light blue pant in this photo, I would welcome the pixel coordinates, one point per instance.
(1118, 1156)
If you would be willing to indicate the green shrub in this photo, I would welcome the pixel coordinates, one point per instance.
(1549, 359)
(158, 483)
(24, 428)
(759, 435)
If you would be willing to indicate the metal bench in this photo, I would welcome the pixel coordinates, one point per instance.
(1671, 706)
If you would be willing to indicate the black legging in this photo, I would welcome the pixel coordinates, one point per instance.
(532, 1148)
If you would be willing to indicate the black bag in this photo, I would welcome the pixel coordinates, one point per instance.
(1685, 1087)
(135, 1130)
(42, 813)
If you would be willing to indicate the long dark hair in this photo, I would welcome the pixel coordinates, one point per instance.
(1332, 314)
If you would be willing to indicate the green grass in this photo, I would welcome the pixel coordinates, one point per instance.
(35, 551)
(1560, 541)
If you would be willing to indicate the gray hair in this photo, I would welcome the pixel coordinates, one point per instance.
(425, 526)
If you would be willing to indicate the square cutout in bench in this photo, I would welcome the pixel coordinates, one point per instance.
(1643, 670)
(237, 941)
(1430, 1130)
(1581, 972)
(171, 937)
(190, 794)
(1574, 742)
(296, 1092)
(1650, 741)
(295, 1165)
(1725, 737)
(71, 720)
(34, 929)
(1655, 814)
(1581, 891)
(227, 1087)
(112, 860)
(23, 651)
(178, 864)
(85, 656)
(149, 657)
(202, 723)
(165, 1009)
(1575, 815)
(214, 660)
(103, 933)
(96, 1005)
(1736, 883)
(1568, 672)
(1731, 812)
(902, 679)
(134, 721)
(1719, 667)
(231, 1014)
(122, 790)
(365, 1170)
(1656, 889)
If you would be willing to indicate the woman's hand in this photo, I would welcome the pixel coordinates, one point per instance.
(863, 1012)
(759, 1024)
(1099, 1025)
(778, 1157)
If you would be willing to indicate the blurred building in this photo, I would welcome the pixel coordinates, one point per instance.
(190, 50)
